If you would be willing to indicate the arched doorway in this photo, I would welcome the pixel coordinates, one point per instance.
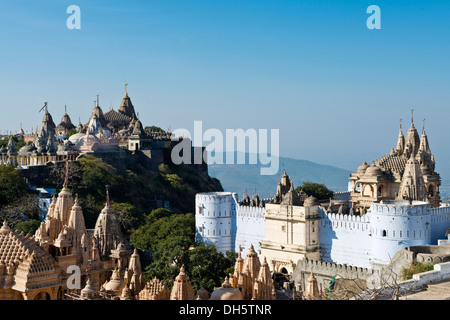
(18, 296)
(431, 190)
(42, 296)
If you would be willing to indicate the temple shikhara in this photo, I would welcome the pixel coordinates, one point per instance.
(111, 135)
(407, 173)
(40, 266)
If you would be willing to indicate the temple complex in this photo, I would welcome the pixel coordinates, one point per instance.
(112, 135)
(40, 266)
(407, 173)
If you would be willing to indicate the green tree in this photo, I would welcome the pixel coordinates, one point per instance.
(28, 227)
(12, 184)
(168, 257)
(171, 239)
(71, 133)
(207, 267)
(162, 224)
(127, 215)
(320, 191)
(154, 129)
(95, 175)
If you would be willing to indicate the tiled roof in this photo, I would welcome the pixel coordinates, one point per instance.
(114, 116)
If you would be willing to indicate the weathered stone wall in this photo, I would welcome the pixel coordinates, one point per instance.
(324, 271)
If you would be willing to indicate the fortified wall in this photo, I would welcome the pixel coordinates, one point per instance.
(324, 271)
(221, 220)
(248, 228)
(344, 238)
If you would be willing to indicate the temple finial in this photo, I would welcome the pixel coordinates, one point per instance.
(126, 92)
(423, 125)
(412, 116)
(401, 123)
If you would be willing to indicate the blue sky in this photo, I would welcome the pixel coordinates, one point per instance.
(334, 88)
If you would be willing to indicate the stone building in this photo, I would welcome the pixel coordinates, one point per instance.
(251, 280)
(407, 173)
(40, 266)
(155, 289)
(292, 228)
(65, 126)
(182, 287)
(393, 203)
(230, 224)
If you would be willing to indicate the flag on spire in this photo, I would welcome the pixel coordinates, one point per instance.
(44, 107)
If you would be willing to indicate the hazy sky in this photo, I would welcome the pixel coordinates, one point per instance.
(334, 88)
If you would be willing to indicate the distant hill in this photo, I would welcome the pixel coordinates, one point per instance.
(245, 177)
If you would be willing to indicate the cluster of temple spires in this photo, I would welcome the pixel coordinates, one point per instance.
(109, 130)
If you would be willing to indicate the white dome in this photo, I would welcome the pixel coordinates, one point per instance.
(76, 137)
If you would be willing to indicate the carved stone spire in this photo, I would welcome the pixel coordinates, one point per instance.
(126, 107)
(312, 289)
(400, 141)
(107, 231)
(182, 288)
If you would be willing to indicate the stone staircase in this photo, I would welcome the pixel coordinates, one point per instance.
(441, 288)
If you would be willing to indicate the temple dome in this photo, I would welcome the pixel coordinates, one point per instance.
(362, 168)
(86, 143)
(116, 283)
(76, 137)
(311, 201)
(227, 292)
(202, 294)
(373, 171)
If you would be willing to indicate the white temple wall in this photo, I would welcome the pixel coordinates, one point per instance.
(249, 228)
(213, 219)
(344, 239)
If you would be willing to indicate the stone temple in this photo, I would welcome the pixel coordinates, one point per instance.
(392, 204)
(118, 137)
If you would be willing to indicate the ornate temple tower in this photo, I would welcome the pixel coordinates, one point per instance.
(65, 126)
(407, 173)
(182, 288)
(59, 213)
(107, 232)
(135, 274)
(263, 287)
(312, 291)
(155, 290)
(79, 237)
(126, 107)
(412, 186)
(46, 131)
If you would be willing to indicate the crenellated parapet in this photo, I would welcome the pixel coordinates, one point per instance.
(324, 271)
(335, 269)
(249, 212)
(346, 221)
(401, 208)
